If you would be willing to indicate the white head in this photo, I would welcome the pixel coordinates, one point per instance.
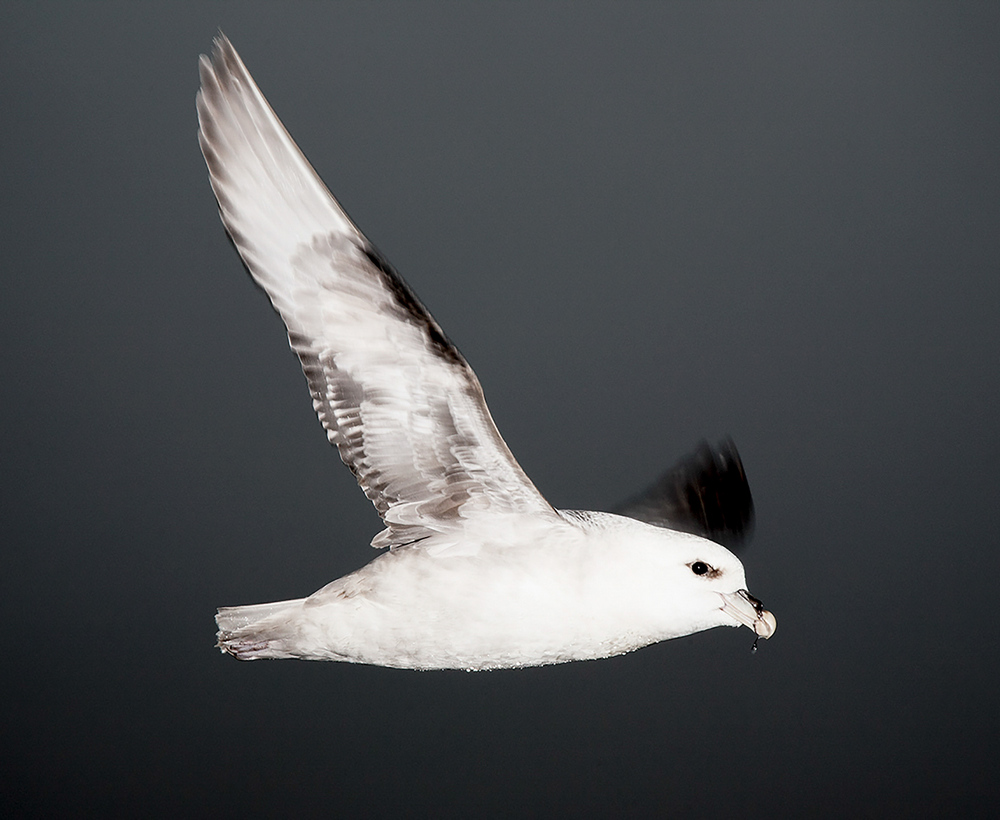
(695, 584)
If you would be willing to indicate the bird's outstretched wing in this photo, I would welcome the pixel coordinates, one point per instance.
(396, 397)
(705, 493)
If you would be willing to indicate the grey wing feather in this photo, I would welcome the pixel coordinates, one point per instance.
(396, 397)
(705, 493)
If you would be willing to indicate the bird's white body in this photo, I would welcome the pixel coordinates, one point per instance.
(481, 571)
(534, 592)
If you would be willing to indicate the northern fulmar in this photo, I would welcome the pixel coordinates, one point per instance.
(478, 571)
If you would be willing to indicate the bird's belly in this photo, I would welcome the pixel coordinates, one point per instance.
(466, 613)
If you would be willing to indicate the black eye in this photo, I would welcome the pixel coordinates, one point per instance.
(699, 568)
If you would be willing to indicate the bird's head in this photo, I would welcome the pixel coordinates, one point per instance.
(703, 585)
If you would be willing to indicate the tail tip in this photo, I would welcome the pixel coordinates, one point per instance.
(245, 649)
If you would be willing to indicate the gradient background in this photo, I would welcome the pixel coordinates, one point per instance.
(643, 224)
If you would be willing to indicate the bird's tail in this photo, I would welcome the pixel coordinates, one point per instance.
(257, 631)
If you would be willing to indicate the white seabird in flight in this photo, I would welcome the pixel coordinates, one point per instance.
(481, 572)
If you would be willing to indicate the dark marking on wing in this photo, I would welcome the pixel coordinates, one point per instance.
(705, 493)
(409, 301)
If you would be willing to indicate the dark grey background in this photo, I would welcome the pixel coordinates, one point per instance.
(643, 224)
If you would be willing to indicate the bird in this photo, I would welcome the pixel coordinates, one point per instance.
(476, 570)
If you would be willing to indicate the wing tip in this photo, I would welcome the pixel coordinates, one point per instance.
(705, 493)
